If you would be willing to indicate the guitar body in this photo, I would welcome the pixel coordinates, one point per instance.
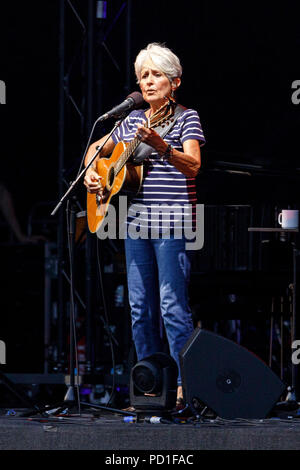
(128, 179)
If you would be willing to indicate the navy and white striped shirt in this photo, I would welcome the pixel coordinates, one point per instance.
(166, 194)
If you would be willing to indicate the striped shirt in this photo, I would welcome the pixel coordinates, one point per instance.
(167, 197)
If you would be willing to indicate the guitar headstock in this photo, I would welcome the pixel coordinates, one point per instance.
(164, 113)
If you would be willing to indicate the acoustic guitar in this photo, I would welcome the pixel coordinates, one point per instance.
(120, 175)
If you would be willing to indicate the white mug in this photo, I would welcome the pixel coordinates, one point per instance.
(288, 218)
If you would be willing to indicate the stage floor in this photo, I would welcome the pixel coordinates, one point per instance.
(107, 431)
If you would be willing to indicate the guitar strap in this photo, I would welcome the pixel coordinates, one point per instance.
(144, 150)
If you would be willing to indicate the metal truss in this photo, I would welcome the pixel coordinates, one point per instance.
(88, 33)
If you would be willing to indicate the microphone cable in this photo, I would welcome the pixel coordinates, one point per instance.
(86, 148)
(72, 307)
(106, 324)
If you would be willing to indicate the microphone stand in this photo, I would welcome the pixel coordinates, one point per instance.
(69, 399)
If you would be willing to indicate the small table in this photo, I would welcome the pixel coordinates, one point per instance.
(272, 229)
(295, 336)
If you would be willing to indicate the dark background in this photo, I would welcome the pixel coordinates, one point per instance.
(239, 62)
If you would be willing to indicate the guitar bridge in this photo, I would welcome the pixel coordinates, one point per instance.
(98, 199)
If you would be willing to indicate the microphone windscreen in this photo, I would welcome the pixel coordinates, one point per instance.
(137, 97)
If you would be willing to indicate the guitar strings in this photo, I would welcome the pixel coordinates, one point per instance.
(156, 118)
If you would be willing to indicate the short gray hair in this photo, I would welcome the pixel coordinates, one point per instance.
(162, 57)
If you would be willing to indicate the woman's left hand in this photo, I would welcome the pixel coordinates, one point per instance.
(149, 136)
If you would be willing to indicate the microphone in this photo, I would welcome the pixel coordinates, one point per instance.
(133, 101)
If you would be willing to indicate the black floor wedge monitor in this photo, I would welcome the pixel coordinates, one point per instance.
(227, 378)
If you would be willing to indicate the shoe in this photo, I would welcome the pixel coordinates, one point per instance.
(179, 404)
(130, 409)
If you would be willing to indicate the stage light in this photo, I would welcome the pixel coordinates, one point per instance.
(153, 384)
(101, 10)
(147, 377)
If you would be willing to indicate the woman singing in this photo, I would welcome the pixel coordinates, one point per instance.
(158, 268)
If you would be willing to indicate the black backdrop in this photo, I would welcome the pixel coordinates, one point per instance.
(239, 62)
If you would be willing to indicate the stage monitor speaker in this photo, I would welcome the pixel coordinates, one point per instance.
(153, 383)
(227, 378)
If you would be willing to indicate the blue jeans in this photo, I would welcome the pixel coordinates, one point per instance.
(158, 273)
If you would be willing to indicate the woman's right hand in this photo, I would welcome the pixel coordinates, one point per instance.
(92, 182)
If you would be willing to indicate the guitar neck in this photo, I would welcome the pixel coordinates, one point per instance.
(131, 147)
